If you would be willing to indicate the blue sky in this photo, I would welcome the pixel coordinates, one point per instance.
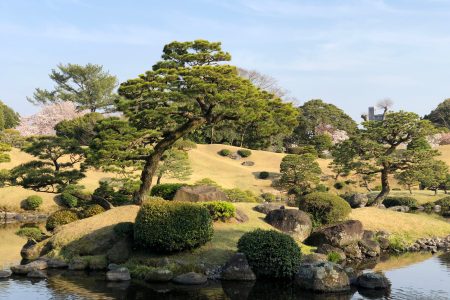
(350, 53)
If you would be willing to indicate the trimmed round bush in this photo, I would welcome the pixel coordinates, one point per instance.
(166, 190)
(91, 210)
(271, 254)
(225, 152)
(69, 200)
(321, 188)
(244, 152)
(220, 210)
(269, 197)
(32, 202)
(263, 175)
(60, 217)
(445, 205)
(324, 208)
(166, 226)
(400, 201)
(339, 185)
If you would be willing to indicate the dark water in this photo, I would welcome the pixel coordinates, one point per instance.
(413, 276)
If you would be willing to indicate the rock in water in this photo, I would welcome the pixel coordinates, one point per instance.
(375, 281)
(323, 277)
(55, 263)
(339, 235)
(190, 278)
(291, 221)
(120, 274)
(237, 268)
(36, 274)
(200, 193)
(5, 273)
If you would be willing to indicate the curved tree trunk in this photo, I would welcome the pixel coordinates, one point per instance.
(152, 161)
(385, 188)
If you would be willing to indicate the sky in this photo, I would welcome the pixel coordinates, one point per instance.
(350, 53)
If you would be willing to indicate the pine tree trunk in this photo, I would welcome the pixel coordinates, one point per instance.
(158, 181)
(385, 188)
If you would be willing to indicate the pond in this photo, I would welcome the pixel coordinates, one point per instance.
(413, 276)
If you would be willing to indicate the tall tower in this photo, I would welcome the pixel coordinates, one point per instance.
(371, 113)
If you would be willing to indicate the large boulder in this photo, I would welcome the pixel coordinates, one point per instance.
(120, 274)
(323, 277)
(370, 248)
(199, 194)
(238, 269)
(357, 200)
(55, 263)
(32, 266)
(190, 278)
(339, 235)
(291, 221)
(265, 208)
(374, 281)
(326, 249)
(353, 252)
(120, 251)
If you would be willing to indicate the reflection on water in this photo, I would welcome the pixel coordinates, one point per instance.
(413, 276)
(10, 245)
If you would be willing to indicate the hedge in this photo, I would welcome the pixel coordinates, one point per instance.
(324, 208)
(220, 210)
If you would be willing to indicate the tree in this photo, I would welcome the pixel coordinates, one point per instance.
(409, 178)
(264, 82)
(315, 115)
(385, 105)
(440, 116)
(174, 164)
(8, 117)
(375, 149)
(189, 88)
(434, 175)
(80, 129)
(89, 87)
(299, 173)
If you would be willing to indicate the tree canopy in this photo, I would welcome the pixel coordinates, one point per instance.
(89, 87)
(8, 117)
(440, 116)
(299, 173)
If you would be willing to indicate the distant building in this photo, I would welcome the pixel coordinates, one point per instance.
(374, 117)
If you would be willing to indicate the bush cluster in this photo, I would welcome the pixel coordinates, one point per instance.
(324, 208)
(33, 233)
(169, 226)
(74, 196)
(225, 152)
(207, 181)
(244, 152)
(91, 210)
(69, 200)
(263, 175)
(271, 254)
(32, 202)
(321, 188)
(60, 217)
(400, 201)
(118, 197)
(220, 210)
(268, 197)
(238, 195)
(166, 190)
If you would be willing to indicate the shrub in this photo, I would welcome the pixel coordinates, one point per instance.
(60, 217)
(164, 226)
(220, 210)
(321, 188)
(107, 192)
(166, 190)
(238, 195)
(207, 181)
(244, 152)
(324, 208)
(33, 233)
(334, 257)
(91, 210)
(124, 229)
(225, 152)
(263, 175)
(398, 243)
(69, 200)
(83, 198)
(444, 203)
(32, 202)
(339, 185)
(303, 150)
(270, 253)
(269, 197)
(400, 201)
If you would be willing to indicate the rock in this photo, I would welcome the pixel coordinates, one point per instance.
(314, 258)
(190, 278)
(327, 249)
(265, 208)
(357, 200)
(237, 268)
(369, 247)
(200, 193)
(368, 235)
(235, 156)
(339, 235)
(248, 163)
(352, 251)
(36, 274)
(324, 277)
(5, 274)
(55, 263)
(399, 208)
(292, 221)
(78, 263)
(384, 243)
(120, 252)
(28, 250)
(120, 274)
(352, 275)
(20, 270)
(159, 275)
(437, 208)
(240, 216)
(97, 262)
(373, 281)
(163, 262)
(112, 267)
(39, 264)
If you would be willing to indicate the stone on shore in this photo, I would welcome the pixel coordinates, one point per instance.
(120, 274)
(199, 194)
(374, 281)
(159, 275)
(323, 277)
(190, 278)
(294, 222)
(339, 235)
(237, 268)
(5, 274)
